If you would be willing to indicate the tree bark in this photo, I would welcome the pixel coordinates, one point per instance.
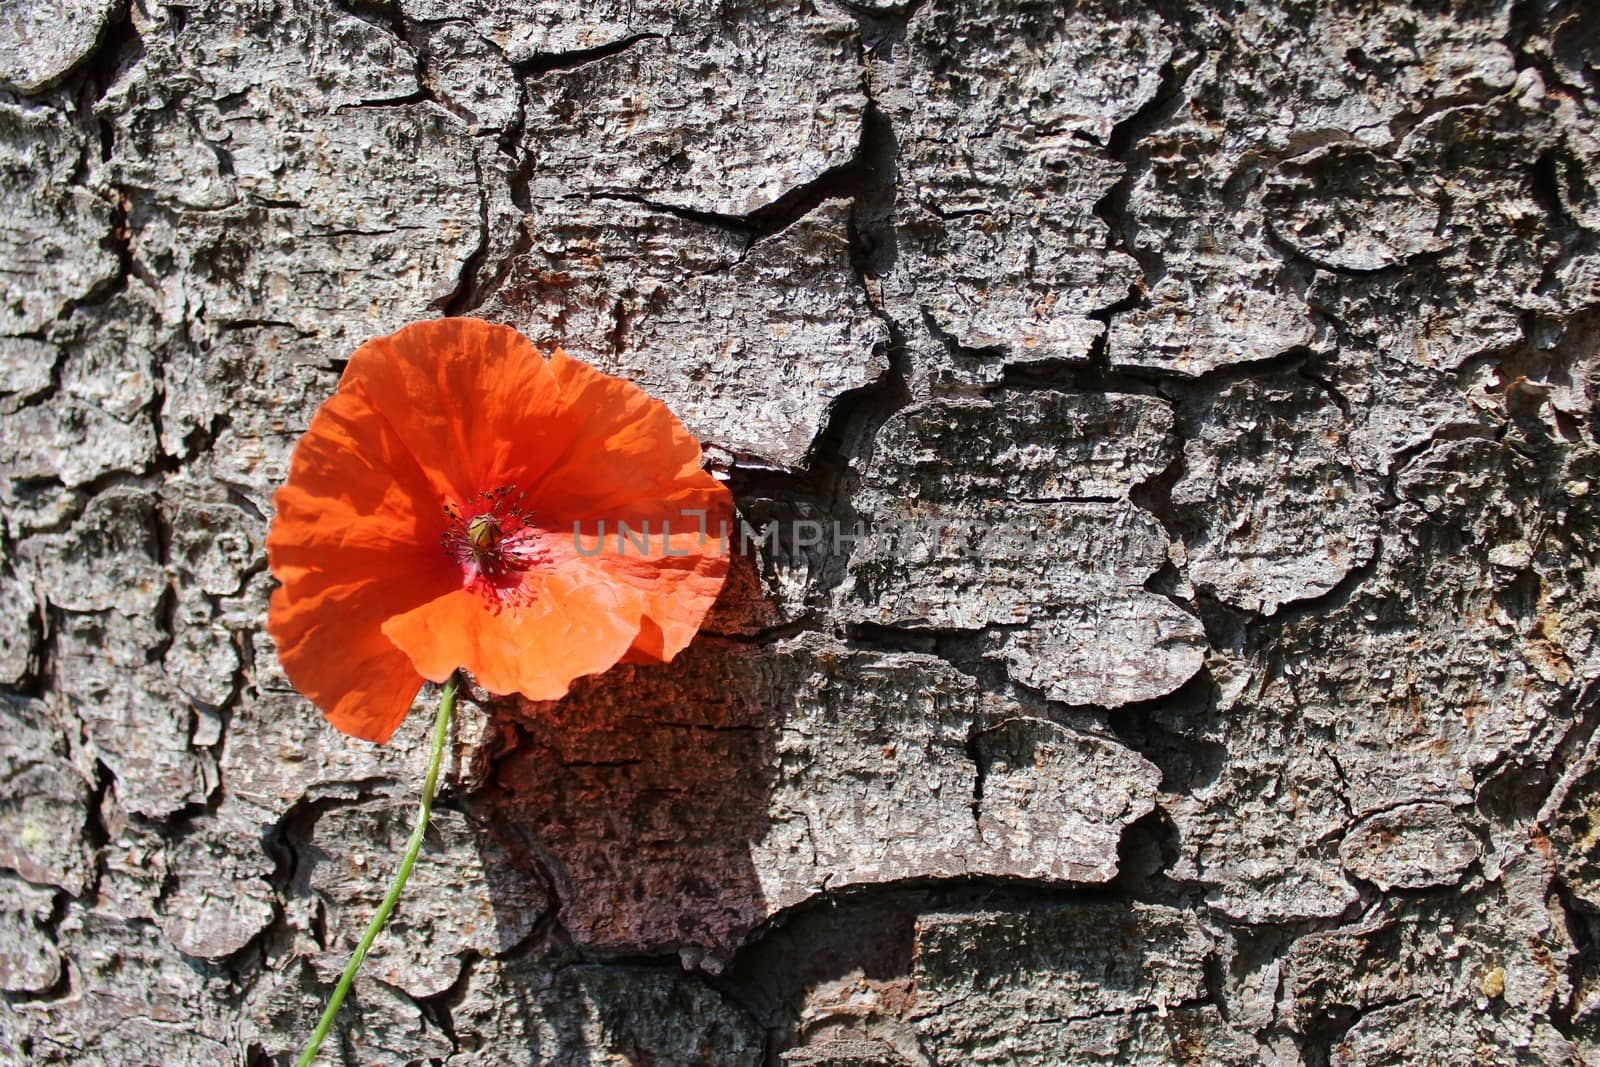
(1168, 433)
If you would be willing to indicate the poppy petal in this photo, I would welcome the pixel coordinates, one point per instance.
(622, 447)
(353, 514)
(678, 576)
(572, 626)
(453, 389)
(636, 468)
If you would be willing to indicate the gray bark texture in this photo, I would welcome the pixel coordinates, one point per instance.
(1213, 678)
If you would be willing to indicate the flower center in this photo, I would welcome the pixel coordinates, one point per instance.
(483, 537)
(494, 542)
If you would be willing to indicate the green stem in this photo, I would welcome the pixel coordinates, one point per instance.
(441, 730)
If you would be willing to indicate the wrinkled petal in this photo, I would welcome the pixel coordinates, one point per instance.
(679, 571)
(636, 470)
(573, 626)
(622, 448)
(354, 514)
(470, 399)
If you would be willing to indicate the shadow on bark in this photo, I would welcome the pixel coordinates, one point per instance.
(641, 794)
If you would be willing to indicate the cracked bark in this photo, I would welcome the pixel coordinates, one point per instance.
(1239, 708)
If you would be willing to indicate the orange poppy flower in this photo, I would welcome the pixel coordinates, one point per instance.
(463, 502)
